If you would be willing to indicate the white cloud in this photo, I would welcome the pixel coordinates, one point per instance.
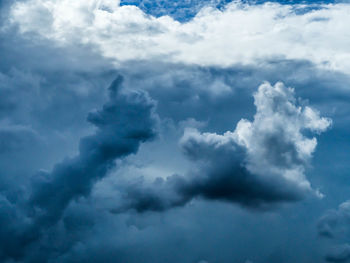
(272, 147)
(274, 140)
(239, 34)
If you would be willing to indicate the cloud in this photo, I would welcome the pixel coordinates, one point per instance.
(17, 138)
(260, 163)
(20, 149)
(124, 122)
(125, 32)
(57, 57)
(335, 225)
(339, 254)
(181, 10)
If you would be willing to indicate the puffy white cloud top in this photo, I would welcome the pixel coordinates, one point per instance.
(239, 34)
(272, 147)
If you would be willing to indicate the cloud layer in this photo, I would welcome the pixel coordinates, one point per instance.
(241, 33)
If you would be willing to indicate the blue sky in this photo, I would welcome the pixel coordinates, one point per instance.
(174, 131)
(184, 10)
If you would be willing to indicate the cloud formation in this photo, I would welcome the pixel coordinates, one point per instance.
(58, 56)
(260, 163)
(126, 33)
(124, 122)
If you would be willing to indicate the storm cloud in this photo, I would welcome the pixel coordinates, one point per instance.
(260, 163)
(123, 123)
(195, 153)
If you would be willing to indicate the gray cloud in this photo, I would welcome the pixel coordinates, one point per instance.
(335, 225)
(48, 89)
(181, 92)
(17, 144)
(122, 125)
(15, 138)
(258, 164)
(340, 253)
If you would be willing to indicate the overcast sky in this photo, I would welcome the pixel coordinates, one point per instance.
(190, 131)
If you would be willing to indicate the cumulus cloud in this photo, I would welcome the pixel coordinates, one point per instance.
(260, 163)
(122, 125)
(127, 33)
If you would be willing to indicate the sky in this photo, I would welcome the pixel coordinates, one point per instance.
(185, 131)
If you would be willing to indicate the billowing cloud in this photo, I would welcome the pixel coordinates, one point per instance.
(240, 33)
(200, 66)
(122, 125)
(260, 163)
(268, 154)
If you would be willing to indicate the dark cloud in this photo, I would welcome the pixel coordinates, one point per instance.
(122, 125)
(258, 164)
(181, 93)
(46, 91)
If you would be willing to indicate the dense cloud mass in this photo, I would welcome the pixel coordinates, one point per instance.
(209, 146)
(123, 123)
(259, 163)
(267, 156)
(273, 26)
